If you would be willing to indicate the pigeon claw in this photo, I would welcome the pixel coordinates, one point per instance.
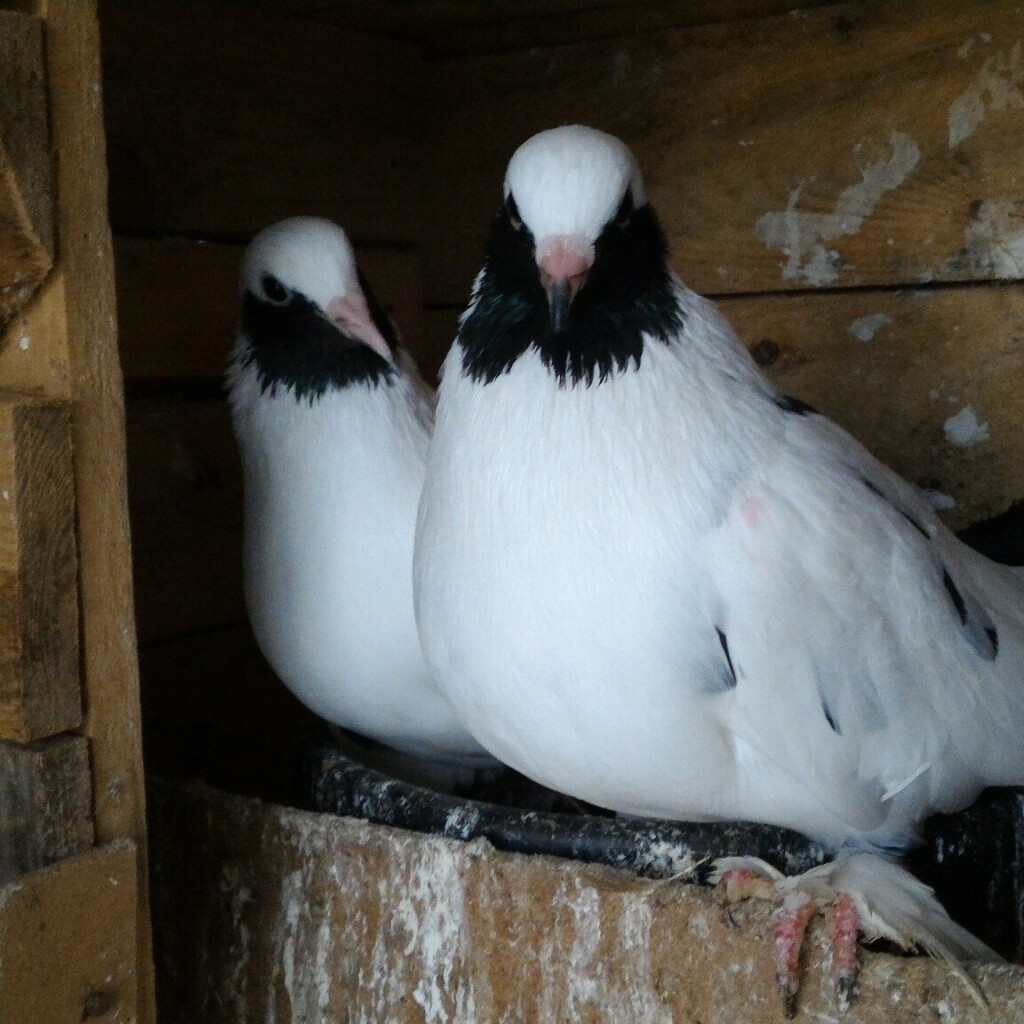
(791, 921)
(747, 878)
(738, 884)
(844, 928)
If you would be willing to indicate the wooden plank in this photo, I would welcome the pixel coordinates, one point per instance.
(26, 207)
(214, 709)
(45, 803)
(929, 354)
(222, 118)
(186, 489)
(268, 913)
(68, 939)
(186, 510)
(177, 302)
(446, 28)
(34, 346)
(39, 682)
(109, 660)
(897, 166)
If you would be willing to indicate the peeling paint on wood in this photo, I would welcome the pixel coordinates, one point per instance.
(844, 161)
(993, 239)
(997, 87)
(800, 234)
(864, 328)
(964, 429)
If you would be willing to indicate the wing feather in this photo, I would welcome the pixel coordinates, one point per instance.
(871, 638)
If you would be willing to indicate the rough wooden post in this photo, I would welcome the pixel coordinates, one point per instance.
(45, 803)
(39, 688)
(26, 206)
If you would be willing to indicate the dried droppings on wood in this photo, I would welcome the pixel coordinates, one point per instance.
(267, 913)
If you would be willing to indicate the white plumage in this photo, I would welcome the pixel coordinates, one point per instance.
(333, 424)
(646, 579)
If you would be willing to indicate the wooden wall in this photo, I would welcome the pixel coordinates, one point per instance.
(74, 916)
(222, 119)
(845, 179)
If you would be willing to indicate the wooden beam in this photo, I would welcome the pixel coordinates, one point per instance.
(177, 302)
(898, 166)
(223, 118)
(186, 509)
(446, 28)
(269, 913)
(928, 355)
(39, 679)
(893, 368)
(214, 710)
(45, 803)
(109, 659)
(26, 203)
(68, 939)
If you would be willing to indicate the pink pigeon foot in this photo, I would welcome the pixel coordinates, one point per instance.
(857, 893)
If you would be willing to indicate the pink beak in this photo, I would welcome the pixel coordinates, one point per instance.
(351, 315)
(564, 263)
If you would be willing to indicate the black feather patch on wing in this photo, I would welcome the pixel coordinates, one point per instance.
(955, 596)
(902, 511)
(628, 293)
(724, 641)
(293, 345)
(787, 403)
(978, 628)
(833, 724)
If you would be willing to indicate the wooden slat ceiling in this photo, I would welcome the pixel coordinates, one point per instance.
(456, 27)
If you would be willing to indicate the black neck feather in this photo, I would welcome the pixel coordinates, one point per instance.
(293, 345)
(628, 293)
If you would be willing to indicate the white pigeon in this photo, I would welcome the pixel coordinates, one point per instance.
(646, 578)
(333, 423)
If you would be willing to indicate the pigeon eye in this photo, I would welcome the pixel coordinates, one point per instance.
(625, 211)
(513, 213)
(274, 290)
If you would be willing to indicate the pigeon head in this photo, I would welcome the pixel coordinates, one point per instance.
(567, 187)
(309, 320)
(576, 263)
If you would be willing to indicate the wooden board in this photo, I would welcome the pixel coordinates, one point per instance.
(897, 166)
(186, 508)
(39, 679)
(223, 118)
(68, 939)
(26, 205)
(214, 710)
(451, 27)
(938, 353)
(109, 660)
(45, 803)
(34, 347)
(927, 355)
(177, 303)
(265, 913)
